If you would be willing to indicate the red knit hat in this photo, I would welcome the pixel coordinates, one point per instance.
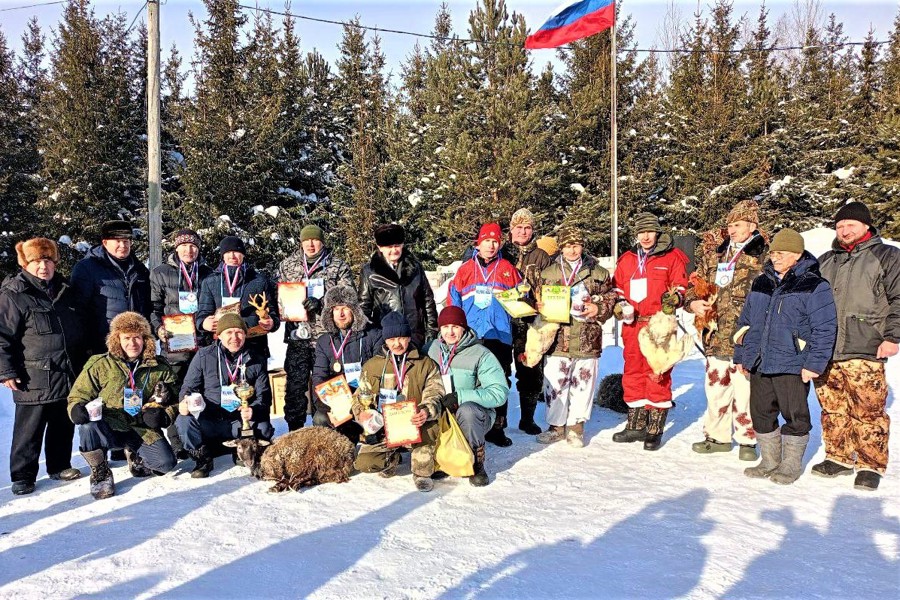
(490, 231)
(453, 315)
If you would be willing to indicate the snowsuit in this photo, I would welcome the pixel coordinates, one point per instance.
(166, 282)
(853, 390)
(250, 283)
(570, 369)
(664, 269)
(41, 346)
(300, 354)
(472, 289)
(206, 375)
(530, 261)
(362, 343)
(423, 384)
(727, 389)
(406, 290)
(478, 380)
(103, 290)
(106, 376)
(793, 326)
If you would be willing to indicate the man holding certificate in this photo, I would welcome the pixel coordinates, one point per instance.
(346, 345)
(407, 391)
(304, 278)
(474, 382)
(210, 410)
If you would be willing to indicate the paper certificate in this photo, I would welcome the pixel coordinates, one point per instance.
(336, 394)
(182, 334)
(398, 427)
(291, 295)
(556, 302)
(511, 302)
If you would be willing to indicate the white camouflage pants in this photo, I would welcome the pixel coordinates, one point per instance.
(569, 386)
(727, 403)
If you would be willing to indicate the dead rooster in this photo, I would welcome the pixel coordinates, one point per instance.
(708, 322)
(301, 458)
(660, 343)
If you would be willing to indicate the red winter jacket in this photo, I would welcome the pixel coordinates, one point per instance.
(665, 268)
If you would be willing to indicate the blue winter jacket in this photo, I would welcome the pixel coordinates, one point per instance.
(793, 322)
(103, 290)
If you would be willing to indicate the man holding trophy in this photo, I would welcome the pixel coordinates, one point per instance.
(225, 395)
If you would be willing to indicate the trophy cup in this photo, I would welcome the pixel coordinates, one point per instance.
(244, 391)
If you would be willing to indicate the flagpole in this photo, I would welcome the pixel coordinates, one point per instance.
(613, 164)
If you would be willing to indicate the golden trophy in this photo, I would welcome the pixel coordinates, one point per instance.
(244, 391)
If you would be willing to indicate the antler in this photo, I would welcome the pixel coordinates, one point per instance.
(260, 303)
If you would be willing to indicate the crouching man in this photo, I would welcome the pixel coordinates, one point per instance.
(214, 372)
(343, 349)
(400, 372)
(133, 408)
(474, 382)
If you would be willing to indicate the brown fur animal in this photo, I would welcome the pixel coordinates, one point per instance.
(709, 292)
(660, 344)
(302, 458)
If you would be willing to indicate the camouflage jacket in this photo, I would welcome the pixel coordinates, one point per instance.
(530, 261)
(423, 381)
(730, 299)
(582, 339)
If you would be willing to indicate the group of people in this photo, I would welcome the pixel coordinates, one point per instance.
(83, 352)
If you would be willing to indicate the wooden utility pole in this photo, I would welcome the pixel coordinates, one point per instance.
(154, 203)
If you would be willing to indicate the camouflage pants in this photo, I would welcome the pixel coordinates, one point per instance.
(373, 458)
(853, 394)
(727, 403)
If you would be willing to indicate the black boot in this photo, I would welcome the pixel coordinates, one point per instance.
(203, 462)
(102, 484)
(635, 427)
(497, 436)
(136, 464)
(480, 477)
(656, 420)
(116, 454)
(528, 403)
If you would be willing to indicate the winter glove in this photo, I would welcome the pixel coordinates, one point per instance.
(450, 402)
(312, 305)
(156, 418)
(163, 334)
(617, 310)
(670, 301)
(79, 414)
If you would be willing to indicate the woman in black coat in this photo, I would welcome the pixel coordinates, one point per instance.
(41, 353)
(394, 280)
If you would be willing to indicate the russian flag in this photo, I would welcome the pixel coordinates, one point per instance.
(574, 20)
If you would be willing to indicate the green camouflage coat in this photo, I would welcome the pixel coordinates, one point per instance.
(730, 299)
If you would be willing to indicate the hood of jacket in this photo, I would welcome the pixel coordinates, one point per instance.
(468, 339)
(346, 296)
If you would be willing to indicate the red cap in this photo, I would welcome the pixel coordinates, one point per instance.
(490, 231)
(453, 315)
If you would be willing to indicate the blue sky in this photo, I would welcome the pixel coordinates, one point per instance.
(418, 15)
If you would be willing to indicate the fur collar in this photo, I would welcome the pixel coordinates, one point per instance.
(755, 246)
(408, 267)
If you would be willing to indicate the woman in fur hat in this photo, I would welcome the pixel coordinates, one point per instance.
(40, 354)
(133, 385)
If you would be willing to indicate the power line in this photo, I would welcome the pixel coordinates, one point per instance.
(32, 5)
(498, 43)
(133, 21)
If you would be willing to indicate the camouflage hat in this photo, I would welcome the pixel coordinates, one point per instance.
(745, 210)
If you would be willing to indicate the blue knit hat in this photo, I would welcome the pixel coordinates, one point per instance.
(394, 325)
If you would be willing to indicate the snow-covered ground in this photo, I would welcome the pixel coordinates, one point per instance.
(610, 520)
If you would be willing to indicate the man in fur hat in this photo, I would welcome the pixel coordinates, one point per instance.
(729, 260)
(133, 385)
(109, 281)
(214, 372)
(41, 353)
(472, 289)
(853, 391)
(530, 262)
(315, 265)
(346, 344)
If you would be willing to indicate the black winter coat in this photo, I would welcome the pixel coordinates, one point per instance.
(208, 372)
(103, 290)
(166, 281)
(251, 283)
(406, 290)
(41, 338)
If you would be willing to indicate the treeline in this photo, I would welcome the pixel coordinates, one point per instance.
(268, 137)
